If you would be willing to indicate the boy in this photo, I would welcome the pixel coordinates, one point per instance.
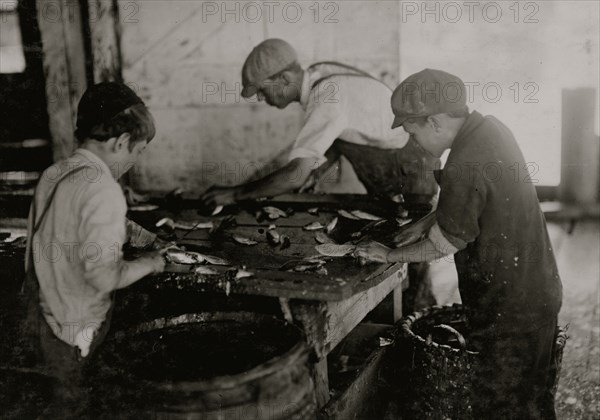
(489, 217)
(76, 231)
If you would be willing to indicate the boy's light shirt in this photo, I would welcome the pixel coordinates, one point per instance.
(354, 109)
(77, 250)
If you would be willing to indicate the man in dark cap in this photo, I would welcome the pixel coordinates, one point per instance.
(76, 231)
(346, 114)
(489, 217)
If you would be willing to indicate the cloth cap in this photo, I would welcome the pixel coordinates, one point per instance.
(266, 59)
(101, 102)
(428, 92)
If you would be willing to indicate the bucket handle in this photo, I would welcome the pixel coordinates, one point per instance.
(461, 340)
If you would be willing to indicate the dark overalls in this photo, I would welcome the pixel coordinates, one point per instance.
(389, 172)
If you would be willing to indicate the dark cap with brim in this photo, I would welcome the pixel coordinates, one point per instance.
(428, 92)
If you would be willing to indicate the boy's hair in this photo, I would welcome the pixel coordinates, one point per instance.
(110, 109)
(135, 120)
(462, 113)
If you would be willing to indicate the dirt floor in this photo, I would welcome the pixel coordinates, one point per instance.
(578, 258)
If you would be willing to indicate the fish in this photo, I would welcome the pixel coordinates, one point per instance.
(302, 265)
(165, 221)
(331, 225)
(242, 274)
(143, 207)
(215, 260)
(273, 237)
(356, 234)
(364, 215)
(217, 210)
(178, 256)
(347, 215)
(322, 238)
(202, 269)
(285, 242)
(402, 222)
(398, 198)
(272, 226)
(243, 241)
(313, 210)
(274, 212)
(314, 226)
(335, 250)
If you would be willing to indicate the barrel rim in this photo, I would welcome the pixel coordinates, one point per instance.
(271, 366)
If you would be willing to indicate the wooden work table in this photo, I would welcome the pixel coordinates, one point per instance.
(326, 306)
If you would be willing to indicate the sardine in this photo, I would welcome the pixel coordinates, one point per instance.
(202, 269)
(184, 257)
(241, 274)
(274, 212)
(143, 207)
(217, 210)
(347, 215)
(314, 226)
(243, 241)
(322, 238)
(331, 225)
(215, 260)
(313, 210)
(165, 221)
(273, 237)
(335, 250)
(364, 215)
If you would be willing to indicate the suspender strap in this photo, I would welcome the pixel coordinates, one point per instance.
(37, 224)
(353, 71)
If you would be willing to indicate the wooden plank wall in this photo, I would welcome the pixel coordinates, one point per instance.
(185, 58)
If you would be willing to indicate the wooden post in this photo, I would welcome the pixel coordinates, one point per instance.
(580, 147)
(105, 39)
(64, 69)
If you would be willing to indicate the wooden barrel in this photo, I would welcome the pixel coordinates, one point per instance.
(221, 365)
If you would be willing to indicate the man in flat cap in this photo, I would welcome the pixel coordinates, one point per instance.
(489, 217)
(346, 114)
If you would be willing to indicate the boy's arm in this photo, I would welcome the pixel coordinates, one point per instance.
(103, 233)
(288, 178)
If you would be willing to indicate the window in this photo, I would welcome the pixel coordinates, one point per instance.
(12, 57)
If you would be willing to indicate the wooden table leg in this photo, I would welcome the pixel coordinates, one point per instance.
(397, 303)
(321, 379)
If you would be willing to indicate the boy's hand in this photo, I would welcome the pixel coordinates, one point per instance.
(157, 260)
(219, 196)
(372, 252)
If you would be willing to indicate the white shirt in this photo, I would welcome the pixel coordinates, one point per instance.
(77, 250)
(352, 108)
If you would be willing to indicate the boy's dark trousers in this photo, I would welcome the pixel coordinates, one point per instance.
(515, 375)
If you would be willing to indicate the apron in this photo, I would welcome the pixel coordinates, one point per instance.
(36, 328)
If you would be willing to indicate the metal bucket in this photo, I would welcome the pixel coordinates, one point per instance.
(435, 376)
(222, 365)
